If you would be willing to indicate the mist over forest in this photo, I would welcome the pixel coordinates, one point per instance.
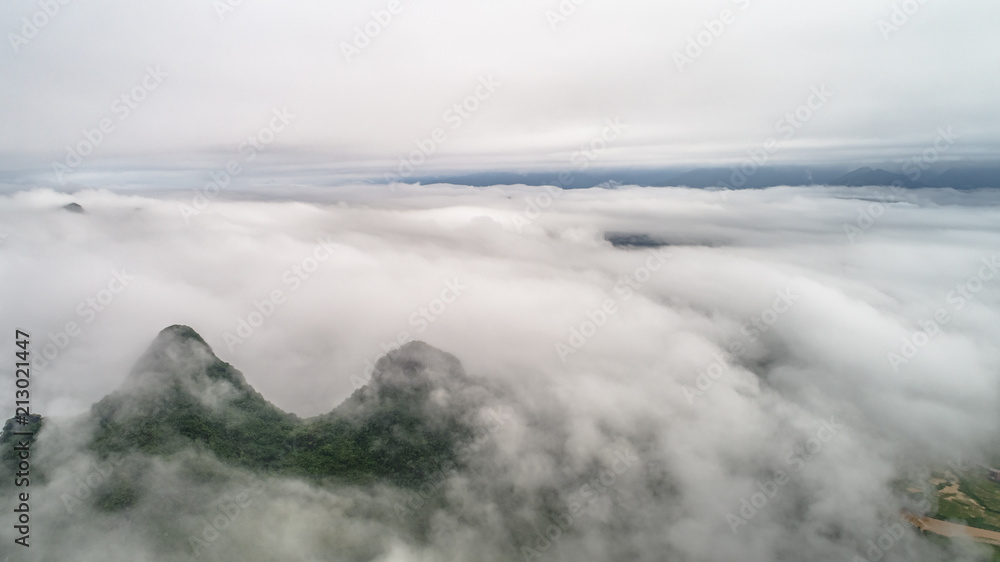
(449, 372)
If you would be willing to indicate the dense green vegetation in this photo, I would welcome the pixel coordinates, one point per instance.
(182, 403)
(967, 498)
(984, 513)
(248, 431)
(390, 435)
(8, 457)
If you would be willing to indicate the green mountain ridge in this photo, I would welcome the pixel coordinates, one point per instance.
(414, 416)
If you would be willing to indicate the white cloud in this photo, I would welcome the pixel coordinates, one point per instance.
(822, 354)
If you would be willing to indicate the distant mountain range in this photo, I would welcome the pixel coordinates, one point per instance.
(966, 177)
(870, 176)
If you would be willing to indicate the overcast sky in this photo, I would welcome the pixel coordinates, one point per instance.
(813, 305)
(219, 74)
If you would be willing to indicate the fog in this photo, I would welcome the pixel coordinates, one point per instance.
(808, 345)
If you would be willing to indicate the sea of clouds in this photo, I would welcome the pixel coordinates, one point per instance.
(741, 375)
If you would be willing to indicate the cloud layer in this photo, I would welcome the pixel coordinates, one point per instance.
(808, 345)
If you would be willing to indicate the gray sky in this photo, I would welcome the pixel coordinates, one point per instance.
(843, 279)
(224, 72)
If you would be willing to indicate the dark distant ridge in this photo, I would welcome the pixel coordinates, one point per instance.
(958, 177)
(734, 178)
(868, 176)
(964, 178)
